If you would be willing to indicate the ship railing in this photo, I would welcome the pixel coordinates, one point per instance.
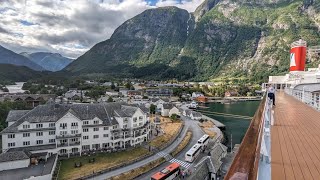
(245, 165)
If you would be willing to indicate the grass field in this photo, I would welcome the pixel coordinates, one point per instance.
(183, 143)
(206, 127)
(102, 161)
(170, 131)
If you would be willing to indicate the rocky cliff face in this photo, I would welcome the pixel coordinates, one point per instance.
(226, 38)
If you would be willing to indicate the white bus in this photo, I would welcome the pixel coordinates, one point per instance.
(192, 154)
(203, 141)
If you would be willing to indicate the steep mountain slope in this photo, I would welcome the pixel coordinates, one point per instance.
(145, 45)
(49, 61)
(9, 72)
(10, 57)
(222, 38)
(252, 39)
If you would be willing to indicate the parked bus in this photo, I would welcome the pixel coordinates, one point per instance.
(192, 154)
(170, 172)
(203, 141)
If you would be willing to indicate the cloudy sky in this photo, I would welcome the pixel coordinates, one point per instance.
(69, 27)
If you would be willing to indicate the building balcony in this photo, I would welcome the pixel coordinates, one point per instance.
(68, 144)
(68, 136)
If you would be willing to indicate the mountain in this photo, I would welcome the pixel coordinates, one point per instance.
(247, 39)
(10, 57)
(9, 72)
(49, 61)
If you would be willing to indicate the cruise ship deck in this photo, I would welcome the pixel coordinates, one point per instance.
(295, 140)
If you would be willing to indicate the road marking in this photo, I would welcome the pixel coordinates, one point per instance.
(182, 163)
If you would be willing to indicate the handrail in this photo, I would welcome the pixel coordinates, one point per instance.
(246, 161)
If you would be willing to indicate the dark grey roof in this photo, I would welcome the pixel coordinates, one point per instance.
(14, 115)
(142, 107)
(30, 96)
(201, 172)
(308, 87)
(53, 112)
(167, 106)
(14, 156)
(217, 151)
(33, 148)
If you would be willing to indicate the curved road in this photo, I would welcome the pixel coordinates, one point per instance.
(196, 134)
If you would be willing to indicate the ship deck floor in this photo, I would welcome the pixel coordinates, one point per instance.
(295, 140)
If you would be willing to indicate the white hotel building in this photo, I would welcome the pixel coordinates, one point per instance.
(66, 129)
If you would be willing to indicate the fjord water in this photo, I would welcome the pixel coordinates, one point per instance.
(235, 126)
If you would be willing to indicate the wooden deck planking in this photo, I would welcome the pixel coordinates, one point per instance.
(295, 148)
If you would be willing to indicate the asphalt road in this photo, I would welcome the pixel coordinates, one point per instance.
(197, 133)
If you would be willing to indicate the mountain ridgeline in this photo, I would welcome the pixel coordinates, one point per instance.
(49, 61)
(226, 38)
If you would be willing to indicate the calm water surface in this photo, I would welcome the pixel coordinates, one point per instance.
(235, 126)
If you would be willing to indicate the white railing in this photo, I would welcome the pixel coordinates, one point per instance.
(264, 172)
(309, 98)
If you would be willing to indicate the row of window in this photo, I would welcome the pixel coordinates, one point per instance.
(94, 122)
(96, 136)
(27, 126)
(12, 136)
(27, 143)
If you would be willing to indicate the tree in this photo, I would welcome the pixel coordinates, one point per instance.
(112, 86)
(174, 117)
(110, 99)
(153, 109)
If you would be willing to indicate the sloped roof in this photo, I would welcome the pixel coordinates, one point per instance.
(15, 115)
(167, 106)
(54, 112)
(14, 156)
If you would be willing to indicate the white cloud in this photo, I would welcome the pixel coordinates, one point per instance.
(69, 27)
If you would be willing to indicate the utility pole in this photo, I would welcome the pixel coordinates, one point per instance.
(231, 143)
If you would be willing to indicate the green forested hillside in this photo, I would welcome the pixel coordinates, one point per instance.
(227, 38)
(14, 73)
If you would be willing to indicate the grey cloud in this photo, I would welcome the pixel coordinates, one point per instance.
(4, 31)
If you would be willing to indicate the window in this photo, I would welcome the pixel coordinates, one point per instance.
(26, 134)
(106, 128)
(135, 119)
(63, 132)
(85, 137)
(106, 135)
(11, 136)
(85, 130)
(52, 124)
(39, 125)
(26, 143)
(125, 120)
(140, 117)
(140, 124)
(52, 140)
(11, 144)
(39, 133)
(52, 132)
(125, 126)
(96, 122)
(95, 136)
(95, 129)
(85, 147)
(85, 122)
(115, 127)
(74, 132)
(63, 126)
(39, 141)
(74, 124)
(26, 126)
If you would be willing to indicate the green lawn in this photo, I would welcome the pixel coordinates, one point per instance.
(102, 161)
